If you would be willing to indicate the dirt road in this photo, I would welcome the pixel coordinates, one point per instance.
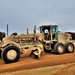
(47, 59)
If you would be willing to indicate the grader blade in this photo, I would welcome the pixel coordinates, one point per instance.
(36, 52)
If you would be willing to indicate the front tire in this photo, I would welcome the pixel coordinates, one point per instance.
(0, 53)
(59, 48)
(69, 47)
(10, 54)
(47, 51)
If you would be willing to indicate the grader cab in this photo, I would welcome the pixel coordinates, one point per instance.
(58, 42)
(49, 31)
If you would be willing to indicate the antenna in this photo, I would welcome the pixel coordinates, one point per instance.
(27, 31)
(7, 30)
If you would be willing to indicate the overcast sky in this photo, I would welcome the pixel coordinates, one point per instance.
(23, 14)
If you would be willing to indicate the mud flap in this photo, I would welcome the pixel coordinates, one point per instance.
(36, 52)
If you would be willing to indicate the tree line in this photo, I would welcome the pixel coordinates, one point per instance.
(72, 34)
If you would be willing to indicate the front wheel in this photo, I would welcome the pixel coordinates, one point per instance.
(10, 54)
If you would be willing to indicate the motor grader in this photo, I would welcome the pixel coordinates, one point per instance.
(11, 47)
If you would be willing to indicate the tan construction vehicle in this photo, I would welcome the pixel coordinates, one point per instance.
(11, 47)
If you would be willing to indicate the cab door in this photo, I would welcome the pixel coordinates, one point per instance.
(54, 32)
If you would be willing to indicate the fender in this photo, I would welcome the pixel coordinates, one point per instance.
(9, 41)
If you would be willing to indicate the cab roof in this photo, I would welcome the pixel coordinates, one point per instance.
(49, 25)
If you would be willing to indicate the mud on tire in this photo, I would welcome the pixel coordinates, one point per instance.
(69, 47)
(59, 48)
(10, 54)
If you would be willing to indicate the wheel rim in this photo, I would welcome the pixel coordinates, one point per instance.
(60, 49)
(70, 47)
(11, 54)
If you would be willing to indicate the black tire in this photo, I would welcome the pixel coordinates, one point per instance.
(69, 47)
(7, 50)
(59, 48)
(47, 51)
(0, 53)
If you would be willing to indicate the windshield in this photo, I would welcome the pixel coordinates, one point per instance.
(53, 29)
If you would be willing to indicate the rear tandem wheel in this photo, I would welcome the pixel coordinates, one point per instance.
(59, 48)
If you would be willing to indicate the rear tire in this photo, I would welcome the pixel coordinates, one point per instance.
(10, 54)
(69, 47)
(59, 48)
